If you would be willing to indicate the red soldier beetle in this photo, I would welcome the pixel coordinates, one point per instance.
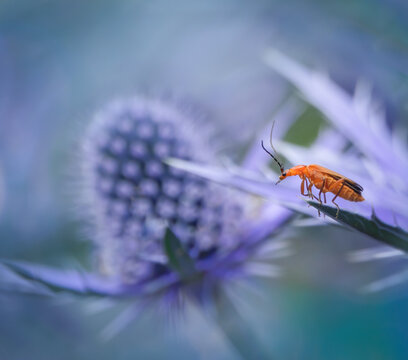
(325, 180)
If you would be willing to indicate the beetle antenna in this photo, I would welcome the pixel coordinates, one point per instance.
(274, 150)
(270, 139)
(273, 157)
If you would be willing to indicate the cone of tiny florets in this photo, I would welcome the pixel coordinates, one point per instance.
(133, 195)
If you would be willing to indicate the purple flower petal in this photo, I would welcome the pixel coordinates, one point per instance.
(354, 117)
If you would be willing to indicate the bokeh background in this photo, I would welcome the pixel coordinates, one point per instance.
(60, 61)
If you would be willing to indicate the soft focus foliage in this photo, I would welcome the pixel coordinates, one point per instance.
(61, 60)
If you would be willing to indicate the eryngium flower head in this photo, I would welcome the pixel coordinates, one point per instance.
(160, 233)
(133, 195)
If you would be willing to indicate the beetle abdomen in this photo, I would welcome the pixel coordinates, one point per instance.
(346, 191)
(350, 195)
(331, 185)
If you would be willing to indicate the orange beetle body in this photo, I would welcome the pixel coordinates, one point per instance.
(323, 179)
(326, 181)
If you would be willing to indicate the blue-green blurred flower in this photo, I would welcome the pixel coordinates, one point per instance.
(133, 196)
(161, 234)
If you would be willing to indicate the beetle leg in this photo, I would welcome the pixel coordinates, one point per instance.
(321, 190)
(324, 195)
(307, 187)
(302, 187)
(312, 196)
(338, 192)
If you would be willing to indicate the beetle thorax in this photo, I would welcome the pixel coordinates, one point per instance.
(298, 170)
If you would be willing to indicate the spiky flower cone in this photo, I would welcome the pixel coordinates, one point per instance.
(133, 195)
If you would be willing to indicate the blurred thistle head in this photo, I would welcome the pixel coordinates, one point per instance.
(161, 234)
(133, 195)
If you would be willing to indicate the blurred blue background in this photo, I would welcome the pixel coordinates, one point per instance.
(62, 60)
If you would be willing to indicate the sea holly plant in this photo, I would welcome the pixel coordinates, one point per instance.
(161, 235)
(377, 158)
(359, 144)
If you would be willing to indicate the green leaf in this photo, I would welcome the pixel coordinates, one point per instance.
(178, 258)
(374, 227)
